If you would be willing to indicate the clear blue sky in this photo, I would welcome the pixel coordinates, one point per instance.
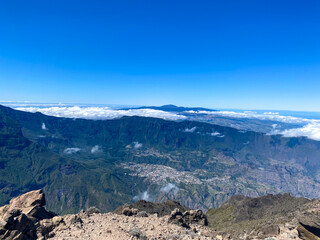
(259, 54)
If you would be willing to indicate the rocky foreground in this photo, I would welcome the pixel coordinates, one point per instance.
(269, 217)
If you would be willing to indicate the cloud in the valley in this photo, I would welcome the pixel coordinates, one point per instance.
(170, 187)
(43, 126)
(143, 196)
(191, 130)
(137, 145)
(96, 149)
(71, 150)
(215, 134)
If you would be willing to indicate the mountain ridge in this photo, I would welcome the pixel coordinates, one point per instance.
(205, 164)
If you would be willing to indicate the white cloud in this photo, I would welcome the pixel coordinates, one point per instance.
(100, 113)
(190, 129)
(242, 131)
(96, 149)
(215, 134)
(169, 187)
(143, 196)
(43, 127)
(311, 130)
(137, 145)
(272, 116)
(71, 150)
(271, 113)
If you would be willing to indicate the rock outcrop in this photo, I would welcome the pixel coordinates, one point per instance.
(184, 219)
(309, 221)
(20, 218)
(161, 209)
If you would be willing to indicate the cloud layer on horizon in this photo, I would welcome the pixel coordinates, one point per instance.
(100, 113)
(310, 128)
(271, 116)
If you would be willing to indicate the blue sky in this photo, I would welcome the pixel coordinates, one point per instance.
(220, 54)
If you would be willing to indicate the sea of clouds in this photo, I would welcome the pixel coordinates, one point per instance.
(99, 113)
(311, 130)
(270, 116)
(308, 127)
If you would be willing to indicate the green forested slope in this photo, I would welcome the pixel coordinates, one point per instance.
(224, 160)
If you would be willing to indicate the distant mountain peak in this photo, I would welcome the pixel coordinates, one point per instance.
(173, 108)
(169, 105)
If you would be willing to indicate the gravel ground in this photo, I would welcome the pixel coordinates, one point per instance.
(112, 226)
